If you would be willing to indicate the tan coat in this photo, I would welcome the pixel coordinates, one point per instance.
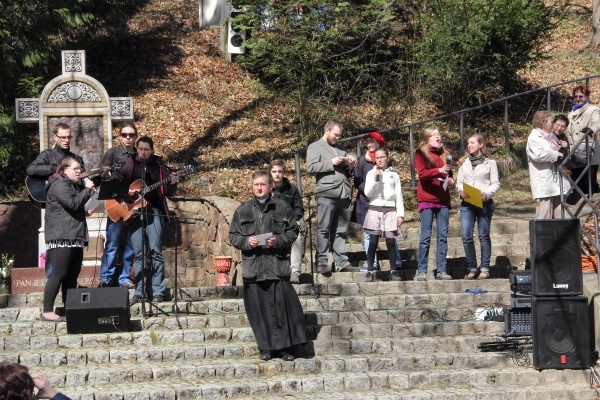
(586, 117)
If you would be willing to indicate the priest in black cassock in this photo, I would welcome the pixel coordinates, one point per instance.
(264, 229)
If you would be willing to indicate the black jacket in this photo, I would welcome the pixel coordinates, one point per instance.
(250, 219)
(289, 193)
(45, 163)
(65, 213)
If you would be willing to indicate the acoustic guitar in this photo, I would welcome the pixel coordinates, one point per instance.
(36, 188)
(126, 211)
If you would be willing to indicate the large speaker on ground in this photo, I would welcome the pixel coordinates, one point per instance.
(555, 248)
(98, 310)
(561, 333)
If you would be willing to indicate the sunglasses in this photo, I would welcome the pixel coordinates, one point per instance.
(130, 135)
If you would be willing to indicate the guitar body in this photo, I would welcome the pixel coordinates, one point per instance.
(122, 211)
(36, 190)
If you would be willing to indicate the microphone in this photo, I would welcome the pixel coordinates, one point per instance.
(141, 158)
(377, 175)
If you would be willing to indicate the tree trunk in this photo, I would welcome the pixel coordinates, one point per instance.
(594, 38)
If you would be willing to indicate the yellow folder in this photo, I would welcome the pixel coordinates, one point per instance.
(474, 195)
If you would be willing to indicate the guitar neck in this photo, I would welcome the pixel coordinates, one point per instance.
(155, 185)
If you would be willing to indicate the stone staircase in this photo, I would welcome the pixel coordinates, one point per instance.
(380, 340)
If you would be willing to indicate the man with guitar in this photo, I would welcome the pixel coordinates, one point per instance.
(147, 169)
(45, 165)
(117, 233)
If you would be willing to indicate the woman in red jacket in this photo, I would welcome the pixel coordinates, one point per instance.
(433, 165)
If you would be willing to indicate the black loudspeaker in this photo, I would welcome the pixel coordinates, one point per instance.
(561, 333)
(98, 310)
(555, 257)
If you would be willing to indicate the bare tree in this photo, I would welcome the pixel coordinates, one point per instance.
(594, 38)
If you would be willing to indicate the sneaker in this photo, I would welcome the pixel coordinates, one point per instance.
(369, 276)
(135, 299)
(323, 269)
(395, 275)
(157, 298)
(365, 268)
(421, 276)
(443, 276)
(104, 283)
(127, 284)
(295, 278)
(347, 268)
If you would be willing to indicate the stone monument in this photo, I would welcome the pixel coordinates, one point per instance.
(83, 103)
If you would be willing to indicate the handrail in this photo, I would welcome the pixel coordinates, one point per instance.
(412, 125)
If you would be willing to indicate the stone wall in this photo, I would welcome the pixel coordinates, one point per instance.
(199, 241)
(19, 225)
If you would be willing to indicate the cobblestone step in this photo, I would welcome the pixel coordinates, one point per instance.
(497, 385)
(70, 354)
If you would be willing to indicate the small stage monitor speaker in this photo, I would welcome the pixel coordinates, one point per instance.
(555, 257)
(561, 333)
(100, 310)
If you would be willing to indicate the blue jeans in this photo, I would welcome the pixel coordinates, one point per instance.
(332, 229)
(468, 215)
(442, 216)
(367, 239)
(156, 271)
(114, 237)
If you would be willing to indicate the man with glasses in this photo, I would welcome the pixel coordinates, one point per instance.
(45, 163)
(118, 239)
(333, 168)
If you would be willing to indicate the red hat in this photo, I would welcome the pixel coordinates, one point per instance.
(378, 138)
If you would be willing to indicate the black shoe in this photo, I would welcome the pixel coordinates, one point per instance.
(105, 284)
(369, 276)
(285, 356)
(265, 355)
(128, 285)
(158, 298)
(135, 299)
(323, 269)
(395, 275)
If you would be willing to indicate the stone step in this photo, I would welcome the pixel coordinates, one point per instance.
(338, 284)
(70, 354)
(91, 374)
(499, 384)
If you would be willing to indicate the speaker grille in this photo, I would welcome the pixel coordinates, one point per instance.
(555, 257)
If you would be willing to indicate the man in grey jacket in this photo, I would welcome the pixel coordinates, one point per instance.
(333, 167)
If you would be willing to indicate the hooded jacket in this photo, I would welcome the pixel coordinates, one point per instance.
(65, 212)
(290, 194)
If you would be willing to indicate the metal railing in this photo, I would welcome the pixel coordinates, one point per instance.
(461, 113)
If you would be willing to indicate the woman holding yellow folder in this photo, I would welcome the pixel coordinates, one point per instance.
(477, 175)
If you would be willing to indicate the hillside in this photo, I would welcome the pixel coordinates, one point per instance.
(198, 107)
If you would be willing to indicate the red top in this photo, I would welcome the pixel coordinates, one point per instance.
(430, 188)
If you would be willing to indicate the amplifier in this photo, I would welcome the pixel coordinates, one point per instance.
(520, 289)
(518, 322)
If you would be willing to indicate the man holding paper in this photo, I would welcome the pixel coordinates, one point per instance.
(264, 229)
(476, 183)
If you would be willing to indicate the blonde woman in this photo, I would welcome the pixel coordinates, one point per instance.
(477, 169)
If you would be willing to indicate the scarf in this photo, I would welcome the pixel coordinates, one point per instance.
(371, 156)
(549, 136)
(476, 160)
(578, 106)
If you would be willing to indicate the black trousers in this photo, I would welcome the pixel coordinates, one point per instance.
(66, 266)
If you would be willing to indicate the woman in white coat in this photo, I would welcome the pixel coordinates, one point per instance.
(585, 119)
(543, 152)
(477, 169)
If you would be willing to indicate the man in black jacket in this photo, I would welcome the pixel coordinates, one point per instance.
(284, 190)
(264, 228)
(45, 163)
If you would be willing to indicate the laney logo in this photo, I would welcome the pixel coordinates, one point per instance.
(560, 286)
